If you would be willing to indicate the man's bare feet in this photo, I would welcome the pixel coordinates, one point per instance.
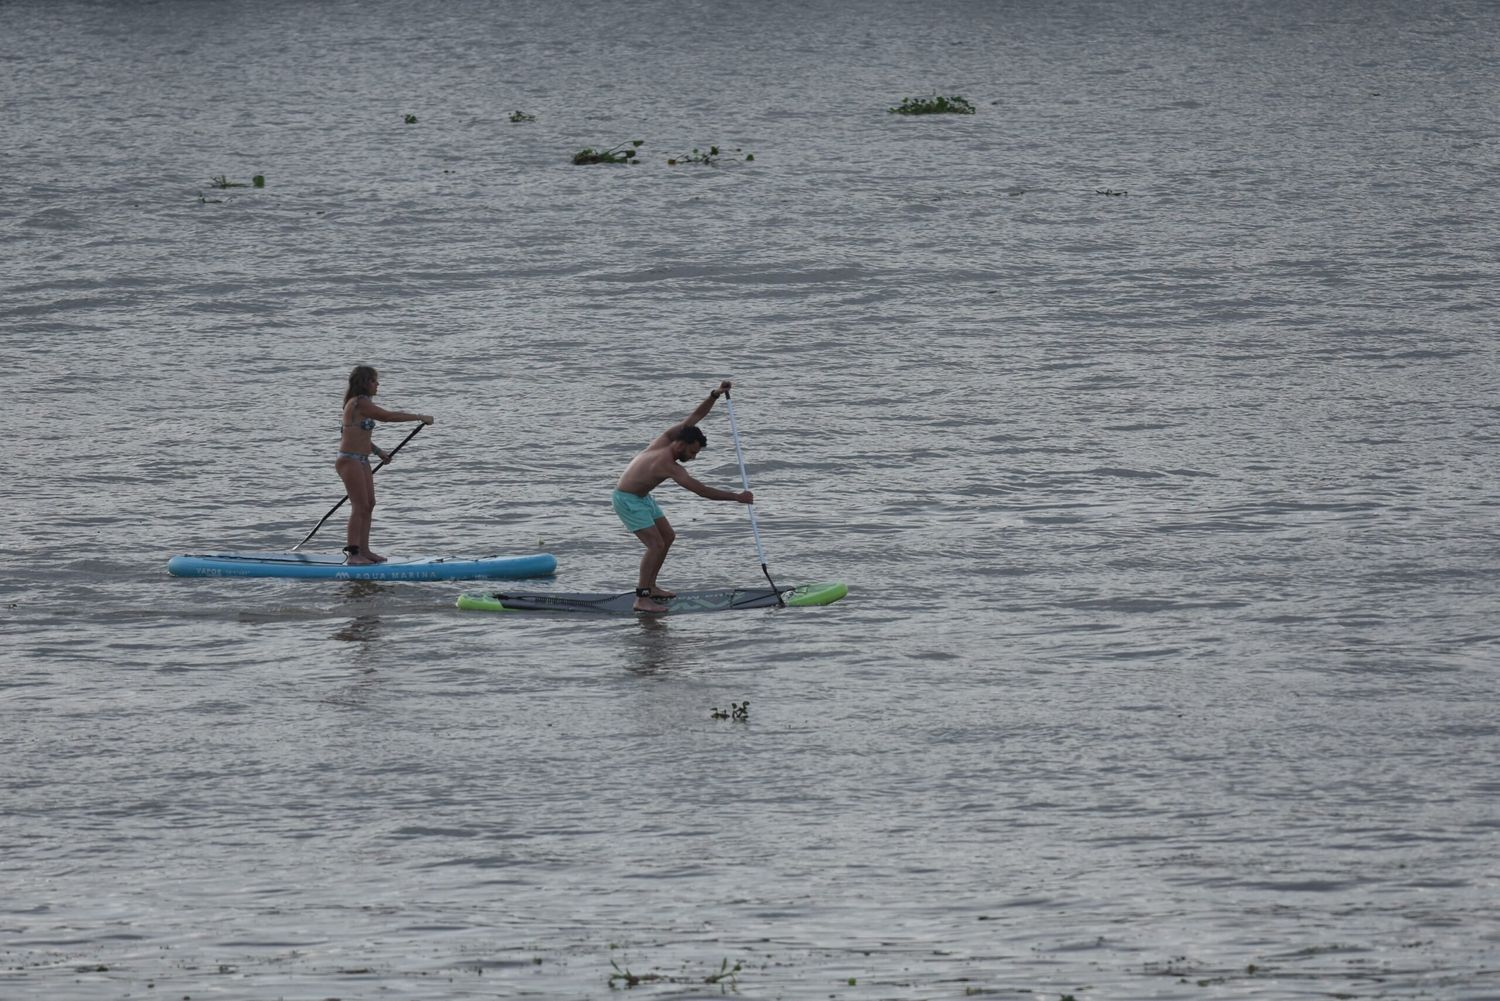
(661, 592)
(645, 601)
(359, 560)
(376, 557)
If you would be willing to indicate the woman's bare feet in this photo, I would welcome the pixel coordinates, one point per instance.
(661, 592)
(354, 557)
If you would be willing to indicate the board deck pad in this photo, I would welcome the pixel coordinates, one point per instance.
(724, 599)
(327, 567)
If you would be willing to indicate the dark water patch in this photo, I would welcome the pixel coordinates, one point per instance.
(61, 220)
(1148, 606)
(1218, 525)
(1122, 473)
(440, 832)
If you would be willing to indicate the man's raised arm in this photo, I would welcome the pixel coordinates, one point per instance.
(700, 411)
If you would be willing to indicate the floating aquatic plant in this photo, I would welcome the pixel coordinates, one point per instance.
(726, 977)
(624, 976)
(623, 153)
(1107, 191)
(710, 157)
(521, 116)
(935, 105)
(411, 119)
(258, 181)
(737, 710)
(726, 972)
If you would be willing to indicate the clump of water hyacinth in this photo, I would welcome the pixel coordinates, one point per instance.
(737, 710)
(935, 105)
(520, 116)
(726, 977)
(411, 119)
(710, 157)
(623, 153)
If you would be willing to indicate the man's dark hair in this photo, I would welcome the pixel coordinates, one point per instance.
(690, 434)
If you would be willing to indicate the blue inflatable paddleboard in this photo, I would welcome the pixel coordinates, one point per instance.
(322, 567)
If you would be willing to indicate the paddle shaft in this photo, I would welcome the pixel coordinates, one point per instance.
(739, 454)
(340, 504)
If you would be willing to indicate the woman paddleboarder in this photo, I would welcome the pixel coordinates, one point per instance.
(361, 414)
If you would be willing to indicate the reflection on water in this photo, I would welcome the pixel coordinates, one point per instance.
(358, 590)
(367, 626)
(653, 649)
(361, 629)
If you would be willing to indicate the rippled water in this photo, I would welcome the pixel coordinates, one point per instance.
(1169, 663)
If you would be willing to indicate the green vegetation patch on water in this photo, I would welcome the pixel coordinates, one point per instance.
(222, 181)
(623, 153)
(711, 157)
(938, 104)
(727, 977)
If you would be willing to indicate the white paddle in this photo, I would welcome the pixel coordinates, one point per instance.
(745, 479)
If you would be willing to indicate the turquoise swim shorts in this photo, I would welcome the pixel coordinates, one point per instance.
(635, 511)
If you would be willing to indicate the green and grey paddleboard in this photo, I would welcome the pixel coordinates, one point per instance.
(724, 599)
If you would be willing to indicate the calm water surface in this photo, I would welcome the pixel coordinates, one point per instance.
(1169, 664)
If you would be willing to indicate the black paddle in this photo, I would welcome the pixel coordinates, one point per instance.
(340, 504)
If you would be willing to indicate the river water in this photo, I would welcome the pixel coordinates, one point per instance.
(1149, 414)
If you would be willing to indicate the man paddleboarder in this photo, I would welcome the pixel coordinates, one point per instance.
(632, 500)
